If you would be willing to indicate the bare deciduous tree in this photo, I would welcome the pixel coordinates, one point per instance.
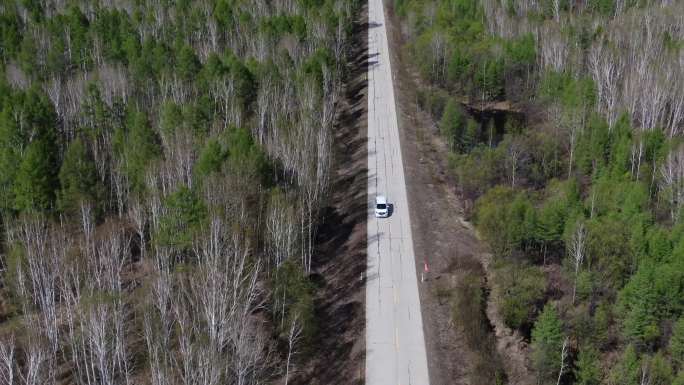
(672, 180)
(7, 360)
(554, 48)
(36, 358)
(293, 335)
(606, 69)
(564, 356)
(281, 229)
(515, 157)
(576, 249)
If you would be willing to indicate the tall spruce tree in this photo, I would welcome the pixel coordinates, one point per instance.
(627, 370)
(36, 182)
(588, 371)
(77, 178)
(677, 344)
(451, 125)
(547, 343)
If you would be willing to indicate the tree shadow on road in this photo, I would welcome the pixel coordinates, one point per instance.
(339, 262)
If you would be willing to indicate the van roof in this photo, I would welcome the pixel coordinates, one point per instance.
(380, 199)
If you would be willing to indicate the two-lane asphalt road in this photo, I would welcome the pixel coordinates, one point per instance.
(395, 347)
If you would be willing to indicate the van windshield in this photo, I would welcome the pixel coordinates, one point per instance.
(381, 206)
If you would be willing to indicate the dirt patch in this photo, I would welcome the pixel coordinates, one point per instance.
(339, 263)
(448, 244)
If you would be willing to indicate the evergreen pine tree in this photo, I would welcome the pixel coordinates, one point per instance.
(77, 178)
(639, 301)
(140, 146)
(588, 371)
(210, 159)
(677, 344)
(470, 135)
(185, 215)
(659, 370)
(679, 380)
(36, 180)
(11, 144)
(451, 125)
(627, 369)
(547, 342)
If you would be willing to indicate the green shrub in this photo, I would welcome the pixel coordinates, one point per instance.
(506, 219)
(519, 291)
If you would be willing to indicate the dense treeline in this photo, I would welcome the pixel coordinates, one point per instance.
(453, 50)
(580, 196)
(162, 168)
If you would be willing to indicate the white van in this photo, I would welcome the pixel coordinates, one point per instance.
(381, 207)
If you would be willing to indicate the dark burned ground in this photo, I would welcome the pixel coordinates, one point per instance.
(340, 259)
(441, 236)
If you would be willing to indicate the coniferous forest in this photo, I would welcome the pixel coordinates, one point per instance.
(162, 168)
(564, 121)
